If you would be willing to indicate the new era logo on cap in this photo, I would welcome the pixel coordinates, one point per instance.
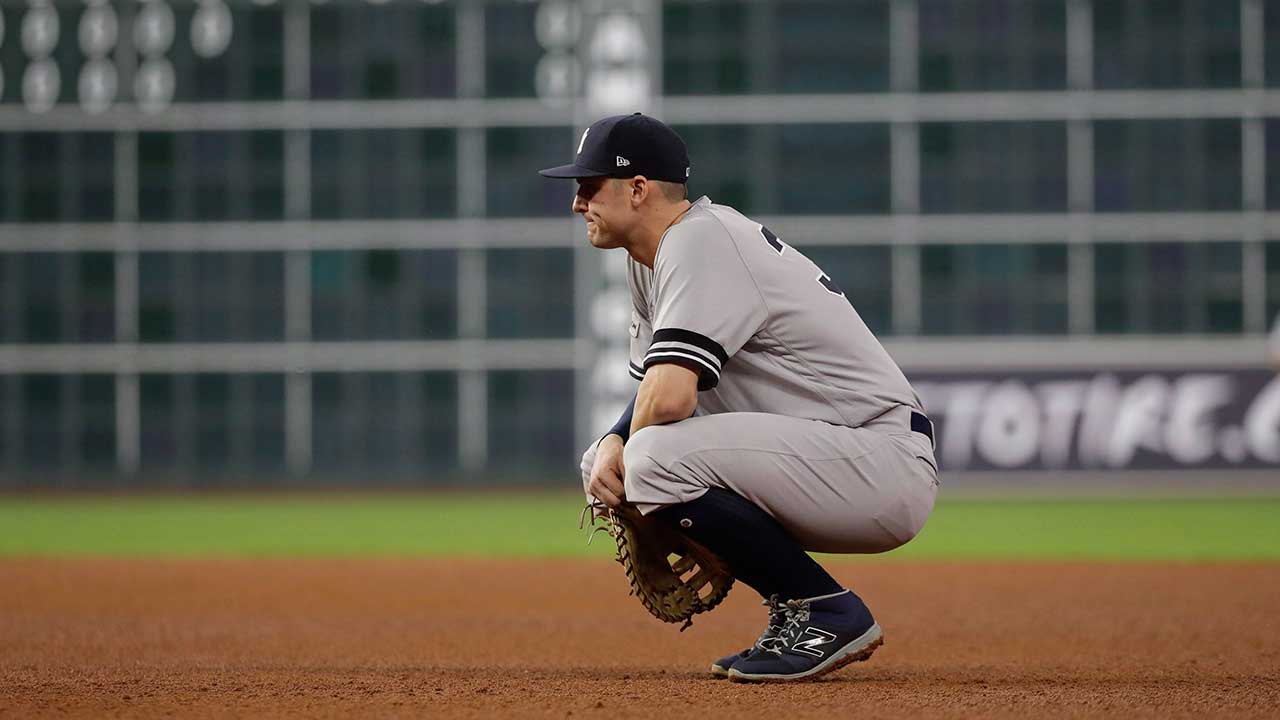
(623, 162)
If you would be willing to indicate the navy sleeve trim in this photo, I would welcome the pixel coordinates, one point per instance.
(694, 339)
(708, 377)
(675, 345)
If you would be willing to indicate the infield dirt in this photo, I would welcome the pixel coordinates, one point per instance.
(488, 638)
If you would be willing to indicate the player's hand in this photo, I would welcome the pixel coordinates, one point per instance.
(607, 472)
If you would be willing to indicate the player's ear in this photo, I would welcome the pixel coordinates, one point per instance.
(639, 187)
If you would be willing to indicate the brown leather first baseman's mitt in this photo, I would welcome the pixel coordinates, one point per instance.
(674, 577)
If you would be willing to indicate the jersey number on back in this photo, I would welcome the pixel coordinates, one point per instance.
(824, 279)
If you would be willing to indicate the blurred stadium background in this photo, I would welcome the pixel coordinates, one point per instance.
(292, 243)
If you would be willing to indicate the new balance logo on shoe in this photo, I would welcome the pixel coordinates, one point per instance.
(623, 162)
(809, 641)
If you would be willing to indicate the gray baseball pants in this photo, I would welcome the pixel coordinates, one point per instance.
(834, 488)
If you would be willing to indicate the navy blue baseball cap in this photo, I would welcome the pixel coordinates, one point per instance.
(623, 146)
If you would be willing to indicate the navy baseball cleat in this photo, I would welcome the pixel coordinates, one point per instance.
(821, 634)
(777, 620)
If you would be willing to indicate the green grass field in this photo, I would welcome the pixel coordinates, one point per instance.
(523, 524)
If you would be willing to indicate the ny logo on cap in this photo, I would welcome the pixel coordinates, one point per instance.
(583, 141)
(623, 162)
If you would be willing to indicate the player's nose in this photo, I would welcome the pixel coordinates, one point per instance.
(579, 204)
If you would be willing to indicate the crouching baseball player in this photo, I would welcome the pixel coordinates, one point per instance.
(769, 420)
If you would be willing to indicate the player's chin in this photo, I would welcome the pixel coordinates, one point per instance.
(600, 240)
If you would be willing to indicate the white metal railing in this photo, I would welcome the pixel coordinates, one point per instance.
(287, 357)
(913, 353)
(799, 230)
(1138, 352)
(771, 109)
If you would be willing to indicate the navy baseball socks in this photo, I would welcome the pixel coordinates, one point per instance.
(815, 625)
(758, 550)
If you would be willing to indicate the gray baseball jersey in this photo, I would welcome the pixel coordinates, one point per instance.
(767, 330)
(801, 410)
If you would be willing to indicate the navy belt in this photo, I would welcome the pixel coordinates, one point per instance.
(922, 425)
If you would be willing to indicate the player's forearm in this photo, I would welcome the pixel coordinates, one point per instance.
(653, 413)
(668, 394)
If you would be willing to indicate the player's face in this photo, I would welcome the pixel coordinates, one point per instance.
(603, 203)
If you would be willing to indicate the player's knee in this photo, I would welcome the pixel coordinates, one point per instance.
(648, 458)
(641, 446)
(638, 457)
